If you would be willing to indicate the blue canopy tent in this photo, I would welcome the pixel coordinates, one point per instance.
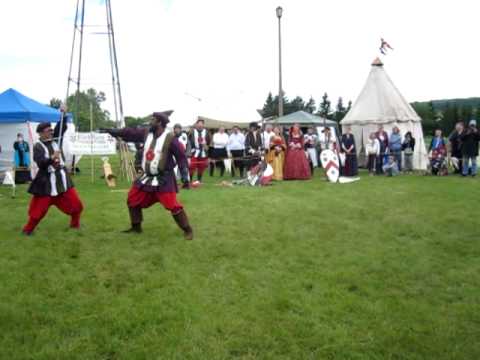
(17, 108)
(20, 114)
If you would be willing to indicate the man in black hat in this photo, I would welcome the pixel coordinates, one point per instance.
(198, 140)
(52, 184)
(162, 151)
(253, 144)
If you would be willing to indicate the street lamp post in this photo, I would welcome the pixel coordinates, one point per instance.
(279, 11)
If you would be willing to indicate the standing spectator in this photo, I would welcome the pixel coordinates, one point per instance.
(311, 140)
(22, 160)
(328, 142)
(296, 163)
(455, 147)
(382, 137)
(438, 142)
(181, 135)
(470, 138)
(438, 154)
(266, 136)
(350, 150)
(395, 146)
(276, 154)
(182, 139)
(253, 145)
(372, 150)
(198, 143)
(218, 151)
(408, 147)
(22, 152)
(236, 150)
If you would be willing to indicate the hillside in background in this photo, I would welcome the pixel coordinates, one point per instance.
(473, 102)
(444, 114)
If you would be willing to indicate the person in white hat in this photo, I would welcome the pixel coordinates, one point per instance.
(470, 138)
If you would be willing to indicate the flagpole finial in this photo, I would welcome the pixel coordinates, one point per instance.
(377, 62)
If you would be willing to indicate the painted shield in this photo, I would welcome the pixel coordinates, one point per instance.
(267, 176)
(330, 163)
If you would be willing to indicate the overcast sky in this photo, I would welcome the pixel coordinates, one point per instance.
(224, 52)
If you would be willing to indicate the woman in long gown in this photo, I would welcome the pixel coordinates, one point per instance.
(276, 153)
(296, 163)
(350, 151)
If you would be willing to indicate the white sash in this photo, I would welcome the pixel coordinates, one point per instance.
(199, 152)
(51, 169)
(153, 169)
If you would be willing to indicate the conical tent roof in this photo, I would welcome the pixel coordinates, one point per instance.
(380, 102)
(303, 118)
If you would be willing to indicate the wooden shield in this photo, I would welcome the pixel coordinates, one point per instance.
(331, 165)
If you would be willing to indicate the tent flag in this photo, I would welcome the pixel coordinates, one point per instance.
(384, 46)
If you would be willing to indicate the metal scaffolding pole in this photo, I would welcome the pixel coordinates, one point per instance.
(127, 167)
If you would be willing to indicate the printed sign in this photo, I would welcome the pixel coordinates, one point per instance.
(92, 144)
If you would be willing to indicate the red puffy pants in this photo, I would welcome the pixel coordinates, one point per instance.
(142, 199)
(199, 165)
(67, 202)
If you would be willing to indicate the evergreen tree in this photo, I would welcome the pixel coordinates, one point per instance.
(310, 106)
(340, 111)
(55, 103)
(324, 108)
(270, 107)
(296, 104)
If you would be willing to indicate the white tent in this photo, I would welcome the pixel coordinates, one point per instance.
(380, 102)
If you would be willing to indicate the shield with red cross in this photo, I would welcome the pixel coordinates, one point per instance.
(331, 165)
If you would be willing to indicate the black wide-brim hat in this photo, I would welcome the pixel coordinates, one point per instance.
(253, 125)
(163, 116)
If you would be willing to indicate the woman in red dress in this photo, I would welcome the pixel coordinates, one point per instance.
(296, 163)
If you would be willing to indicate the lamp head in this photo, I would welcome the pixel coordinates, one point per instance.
(279, 12)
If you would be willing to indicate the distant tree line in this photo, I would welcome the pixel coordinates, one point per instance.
(435, 114)
(444, 114)
(101, 117)
(324, 109)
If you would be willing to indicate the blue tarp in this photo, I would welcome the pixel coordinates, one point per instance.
(17, 108)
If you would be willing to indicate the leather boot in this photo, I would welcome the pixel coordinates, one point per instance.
(136, 218)
(182, 222)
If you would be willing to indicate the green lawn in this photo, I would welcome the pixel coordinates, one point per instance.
(385, 268)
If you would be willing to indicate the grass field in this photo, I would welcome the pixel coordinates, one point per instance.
(385, 268)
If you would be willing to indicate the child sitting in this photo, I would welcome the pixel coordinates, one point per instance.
(391, 167)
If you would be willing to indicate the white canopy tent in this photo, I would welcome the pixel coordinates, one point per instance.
(380, 103)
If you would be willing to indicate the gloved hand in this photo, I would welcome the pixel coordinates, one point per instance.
(185, 176)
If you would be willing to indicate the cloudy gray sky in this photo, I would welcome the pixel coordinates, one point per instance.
(225, 52)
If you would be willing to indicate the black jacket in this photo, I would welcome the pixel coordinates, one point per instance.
(253, 143)
(42, 183)
(408, 144)
(456, 144)
(470, 139)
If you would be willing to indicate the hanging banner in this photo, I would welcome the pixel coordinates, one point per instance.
(92, 144)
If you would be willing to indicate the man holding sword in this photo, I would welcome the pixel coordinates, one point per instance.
(52, 185)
